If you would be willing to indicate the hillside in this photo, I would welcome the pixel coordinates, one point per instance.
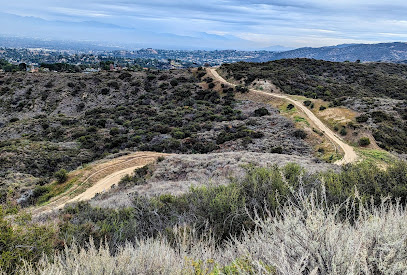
(54, 121)
(242, 173)
(392, 52)
(376, 91)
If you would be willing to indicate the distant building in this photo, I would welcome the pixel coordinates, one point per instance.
(91, 70)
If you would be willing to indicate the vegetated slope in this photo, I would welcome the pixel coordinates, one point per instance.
(326, 80)
(64, 120)
(349, 153)
(176, 174)
(396, 51)
(367, 88)
(55, 120)
(294, 203)
(318, 233)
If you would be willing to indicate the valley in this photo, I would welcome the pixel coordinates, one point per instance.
(203, 137)
(114, 156)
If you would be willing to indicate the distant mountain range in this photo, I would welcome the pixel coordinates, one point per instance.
(393, 52)
(278, 48)
(387, 52)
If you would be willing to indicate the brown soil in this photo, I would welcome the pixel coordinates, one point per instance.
(98, 178)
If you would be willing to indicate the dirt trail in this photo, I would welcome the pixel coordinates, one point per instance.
(350, 154)
(100, 178)
(103, 185)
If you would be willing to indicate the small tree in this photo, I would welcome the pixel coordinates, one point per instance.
(299, 133)
(362, 118)
(22, 67)
(364, 141)
(307, 103)
(261, 112)
(61, 176)
(174, 82)
(343, 131)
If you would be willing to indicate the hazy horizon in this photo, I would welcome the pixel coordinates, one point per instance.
(231, 24)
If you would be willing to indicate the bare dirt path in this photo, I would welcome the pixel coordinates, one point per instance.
(100, 178)
(103, 185)
(349, 153)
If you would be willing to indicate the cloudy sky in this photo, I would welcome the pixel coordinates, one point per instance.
(238, 24)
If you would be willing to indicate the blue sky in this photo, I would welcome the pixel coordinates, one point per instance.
(238, 24)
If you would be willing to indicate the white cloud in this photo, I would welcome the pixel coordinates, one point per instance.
(78, 12)
(291, 23)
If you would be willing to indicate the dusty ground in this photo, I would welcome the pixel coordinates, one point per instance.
(99, 177)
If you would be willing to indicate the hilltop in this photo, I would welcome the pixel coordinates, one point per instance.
(386, 52)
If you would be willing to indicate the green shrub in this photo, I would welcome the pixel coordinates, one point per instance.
(125, 76)
(201, 74)
(23, 241)
(178, 134)
(40, 190)
(307, 103)
(343, 131)
(364, 141)
(114, 85)
(321, 108)
(336, 128)
(362, 118)
(114, 131)
(276, 150)
(290, 106)
(241, 89)
(105, 91)
(61, 176)
(174, 82)
(299, 133)
(261, 112)
(208, 80)
(151, 77)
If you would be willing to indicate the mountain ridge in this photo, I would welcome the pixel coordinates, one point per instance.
(391, 52)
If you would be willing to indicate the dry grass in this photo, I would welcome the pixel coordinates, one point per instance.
(307, 238)
(177, 173)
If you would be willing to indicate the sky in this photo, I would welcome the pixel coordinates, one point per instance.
(225, 24)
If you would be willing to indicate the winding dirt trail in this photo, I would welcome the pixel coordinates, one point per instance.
(100, 178)
(349, 153)
(103, 185)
